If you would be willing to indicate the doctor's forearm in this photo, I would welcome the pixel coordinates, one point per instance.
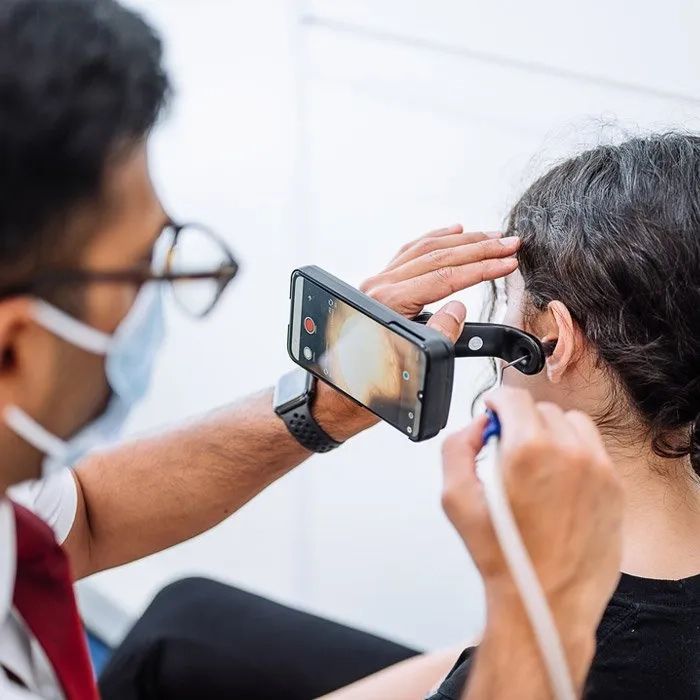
(153, 493)
(508, 662)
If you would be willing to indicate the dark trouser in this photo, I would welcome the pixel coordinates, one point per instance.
(202, 639)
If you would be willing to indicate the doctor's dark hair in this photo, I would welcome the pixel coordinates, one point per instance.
(614, 234)
(81, 85)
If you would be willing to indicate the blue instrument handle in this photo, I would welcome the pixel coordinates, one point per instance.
(493, 427)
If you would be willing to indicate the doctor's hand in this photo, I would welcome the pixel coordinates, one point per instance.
(567, 501)
(437, 265)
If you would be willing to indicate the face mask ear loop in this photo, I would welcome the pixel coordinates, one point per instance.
(28, 429)
(70, 329)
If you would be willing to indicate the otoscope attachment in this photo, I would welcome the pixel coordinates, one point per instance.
(515, 347)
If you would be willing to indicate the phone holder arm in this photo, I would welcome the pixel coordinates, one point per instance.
(503, 342)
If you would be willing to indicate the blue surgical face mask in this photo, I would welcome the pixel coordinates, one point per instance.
(130, 355)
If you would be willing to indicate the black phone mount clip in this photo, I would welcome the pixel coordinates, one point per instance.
(515, 347)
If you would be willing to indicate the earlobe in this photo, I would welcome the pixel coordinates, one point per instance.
(562, 333)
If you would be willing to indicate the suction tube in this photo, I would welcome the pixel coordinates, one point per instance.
(523, 572)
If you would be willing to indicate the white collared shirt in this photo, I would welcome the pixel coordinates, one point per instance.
(55, 501)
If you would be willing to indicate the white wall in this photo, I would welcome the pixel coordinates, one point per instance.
(331, 133)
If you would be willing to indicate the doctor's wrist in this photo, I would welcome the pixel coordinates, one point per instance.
(339, 417)
(507, 619)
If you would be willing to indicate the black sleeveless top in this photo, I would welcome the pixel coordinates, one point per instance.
(648, 645)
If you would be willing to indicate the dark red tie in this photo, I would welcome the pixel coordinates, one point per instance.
(44, 598)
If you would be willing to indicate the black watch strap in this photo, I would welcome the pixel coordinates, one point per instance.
(309, 434)
(296, 412)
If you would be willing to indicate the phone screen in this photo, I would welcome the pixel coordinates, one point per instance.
(375, 365)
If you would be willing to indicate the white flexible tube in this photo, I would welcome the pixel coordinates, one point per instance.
(526, 580)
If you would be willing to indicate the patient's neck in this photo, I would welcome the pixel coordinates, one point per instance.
(661, 530)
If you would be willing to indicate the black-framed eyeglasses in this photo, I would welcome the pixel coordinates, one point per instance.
(193, 260)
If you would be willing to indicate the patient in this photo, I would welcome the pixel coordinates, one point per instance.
(610, 275)
(610, 271)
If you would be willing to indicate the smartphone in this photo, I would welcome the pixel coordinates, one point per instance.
(399, 370)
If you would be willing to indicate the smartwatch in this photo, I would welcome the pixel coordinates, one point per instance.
(294, 396)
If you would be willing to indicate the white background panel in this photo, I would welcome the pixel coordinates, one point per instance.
(644, 43)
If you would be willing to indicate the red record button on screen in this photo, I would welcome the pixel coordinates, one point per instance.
(309, 325)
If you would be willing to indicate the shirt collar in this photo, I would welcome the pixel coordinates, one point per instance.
(8, 558)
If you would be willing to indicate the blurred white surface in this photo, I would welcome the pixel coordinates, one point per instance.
(331, 134)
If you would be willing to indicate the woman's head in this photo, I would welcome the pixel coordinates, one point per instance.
(610, 269)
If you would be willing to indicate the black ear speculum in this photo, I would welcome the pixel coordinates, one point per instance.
(516, 348)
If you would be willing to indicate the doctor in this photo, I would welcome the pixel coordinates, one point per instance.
(86, 251)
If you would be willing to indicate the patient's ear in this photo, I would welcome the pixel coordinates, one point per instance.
(559, 329)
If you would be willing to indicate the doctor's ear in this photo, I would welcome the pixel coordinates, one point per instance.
(561, 338)
(15, 325)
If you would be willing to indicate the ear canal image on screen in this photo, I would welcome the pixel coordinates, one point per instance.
(365, 360)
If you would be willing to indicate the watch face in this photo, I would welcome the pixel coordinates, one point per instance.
(292, 390)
